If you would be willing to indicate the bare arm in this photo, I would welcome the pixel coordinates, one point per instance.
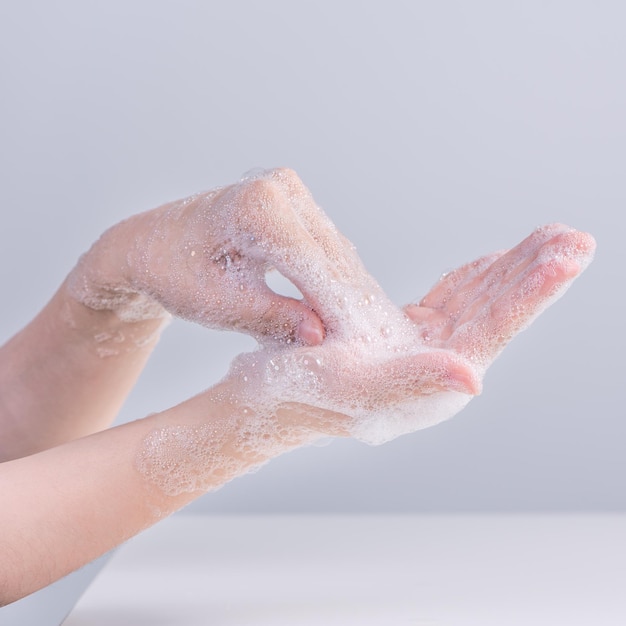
(377, 375)
(93, 493)
(203, 258)
(67, 505)
(67, 374)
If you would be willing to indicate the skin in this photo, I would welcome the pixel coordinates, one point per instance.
(67, 373)
(64, 377)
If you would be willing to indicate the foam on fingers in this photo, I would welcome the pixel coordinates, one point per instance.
(451, 282)
(536, 283)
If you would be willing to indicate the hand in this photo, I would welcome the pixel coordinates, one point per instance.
(379, 375)
(477, 309)
(205, 259)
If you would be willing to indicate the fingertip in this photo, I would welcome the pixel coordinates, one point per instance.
(586, 247)
(311, 330)
(416, 313)
(465, 379)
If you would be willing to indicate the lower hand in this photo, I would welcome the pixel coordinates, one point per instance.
(380, 373)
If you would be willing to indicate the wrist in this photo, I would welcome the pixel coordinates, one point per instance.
(103, 280)
(105, 330)
(210, 439)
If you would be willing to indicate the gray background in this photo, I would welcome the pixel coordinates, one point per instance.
(430, 133)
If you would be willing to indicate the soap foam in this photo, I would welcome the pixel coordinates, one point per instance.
(202, 457)
(190, 458)
(366, 332)
(350, 378)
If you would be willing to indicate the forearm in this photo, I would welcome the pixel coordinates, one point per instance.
(67, 373)
(67, 505)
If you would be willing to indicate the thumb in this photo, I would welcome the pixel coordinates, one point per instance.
(273, 318)
(433, 371)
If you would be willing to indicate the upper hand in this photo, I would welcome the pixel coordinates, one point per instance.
(205, 258)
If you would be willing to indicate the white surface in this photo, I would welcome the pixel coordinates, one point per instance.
(427, 570)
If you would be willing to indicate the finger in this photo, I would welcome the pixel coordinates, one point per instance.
(272, 318)
(556, 265)
(420, 314)
(472, 294)
(430, 372)
(286, 214)
(484, 331)
(252, 228)
(514, 262)
(339, 250)
(269, 231)
(483, 338)
(554, 256)
(432, 312)
(452, 281)
(283, 241)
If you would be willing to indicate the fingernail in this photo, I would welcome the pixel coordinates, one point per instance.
(465, 380)
(311, 331)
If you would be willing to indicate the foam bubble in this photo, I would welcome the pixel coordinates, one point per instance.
(186, 458)
(204, 456)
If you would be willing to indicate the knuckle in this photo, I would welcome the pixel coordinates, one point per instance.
(260, 193)
(288, 180)
(286, 174)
